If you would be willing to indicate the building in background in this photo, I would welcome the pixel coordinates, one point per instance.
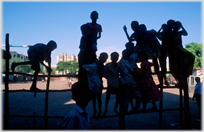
(14, 54)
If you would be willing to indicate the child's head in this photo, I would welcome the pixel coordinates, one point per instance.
(129, 46)
(134, 25)
(114, 57)
(103, 57)
(177, 25)
(80, 94)
(170, 24)
(126, 54)
(143, 55)
(142, 28)
(51, 45)
(197, 79)
(94, 15)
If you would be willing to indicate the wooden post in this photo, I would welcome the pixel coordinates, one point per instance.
(181, 104)
(122, 110)
(188, 122)
(161, 101)
(6, 99)
(46, 101)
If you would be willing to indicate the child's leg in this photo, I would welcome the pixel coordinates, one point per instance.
(131, 103)
(117, 102)
(144, 104)
(154, 106)
(137, 103)
(37, 70)
(106, 103)
(13, 65)
(94, 106)
(99, 104)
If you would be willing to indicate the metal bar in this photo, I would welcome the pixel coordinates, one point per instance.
(46, 100)
(17, 45)
(6, 99)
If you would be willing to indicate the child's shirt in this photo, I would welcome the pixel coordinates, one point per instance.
(76, 119)
(94, 82)
(113, 78)
(133, 60)
(198, 88)
(125, 75)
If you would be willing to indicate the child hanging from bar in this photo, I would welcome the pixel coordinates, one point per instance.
(78, 117)
(37, 54)
(151, 93)
(113, 82)
(129, 88)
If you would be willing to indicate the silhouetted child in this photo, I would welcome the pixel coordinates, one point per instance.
(78, 117)
(113, 82)
(197, 94)
(129, 86)
(94, 82)
(151, 93)
(133, 60)
(90, 33)
(103, 72)
(181, 61)
(37, 54)
(95, 30)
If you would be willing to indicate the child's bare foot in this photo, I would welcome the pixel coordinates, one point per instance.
(116, 112)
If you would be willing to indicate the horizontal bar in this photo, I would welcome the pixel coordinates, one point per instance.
(17, 45)
(41, 75)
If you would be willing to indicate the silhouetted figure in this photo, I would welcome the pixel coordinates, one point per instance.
(103, 72)
(151, 93)
(165, 37)
(146, 40)
(113, 82)
(197, 94)
(90, 33)
(94, 82)
(133, 60)
(78, 117)
(180, 60)
(37, 54)
(129, 87)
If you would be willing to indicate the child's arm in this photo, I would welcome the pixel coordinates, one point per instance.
(129, 38)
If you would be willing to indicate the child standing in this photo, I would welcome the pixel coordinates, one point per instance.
(128, 85)
(113, 82)
(197, 94)
(151, 93)
(102, 72)
(78, 118)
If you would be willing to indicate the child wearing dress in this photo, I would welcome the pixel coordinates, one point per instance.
(151, 93)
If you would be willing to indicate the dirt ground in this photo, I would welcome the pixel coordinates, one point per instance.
(60, 103)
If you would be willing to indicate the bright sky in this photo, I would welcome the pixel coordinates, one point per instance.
(29, 23)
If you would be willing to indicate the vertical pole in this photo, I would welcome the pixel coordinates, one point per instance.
(46, 100)
(34, 112)
(181, 104)
(122, 109)
(6, 100)
(188, 122)
(161, 102)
